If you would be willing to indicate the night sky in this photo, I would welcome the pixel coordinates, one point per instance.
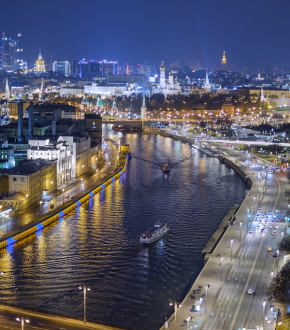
(254, 33)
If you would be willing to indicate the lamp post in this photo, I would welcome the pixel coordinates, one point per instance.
(62, 195)
(277, 260)
(85, 289)
(22, 321)
(221, 264)
(240, 232)
(40, 202)
(263, 314)
(206, 287)
(176, 306)
(231, 249)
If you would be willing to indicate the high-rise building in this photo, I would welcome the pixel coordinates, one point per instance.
(75, 69)
(62, 67)
(6, 58)
(39, 64)
(224, 60)
(107, 67)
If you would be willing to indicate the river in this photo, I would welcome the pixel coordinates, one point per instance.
(130, 285)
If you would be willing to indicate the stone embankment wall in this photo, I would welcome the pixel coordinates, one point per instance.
(236, 168)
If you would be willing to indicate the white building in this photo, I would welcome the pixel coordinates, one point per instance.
(56, 150)
(80, 148)
(167, 86)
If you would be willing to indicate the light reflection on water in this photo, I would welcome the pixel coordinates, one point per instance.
(131, 285)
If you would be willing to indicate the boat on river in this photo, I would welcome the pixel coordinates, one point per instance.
(154, 233)
(165, 168)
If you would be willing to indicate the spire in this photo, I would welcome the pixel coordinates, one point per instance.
(206, 82)
(7, 90)
(143, 108)
(39, 56)
(262, 96)
(224, 59)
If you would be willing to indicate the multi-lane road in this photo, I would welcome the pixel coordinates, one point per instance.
(241, 260)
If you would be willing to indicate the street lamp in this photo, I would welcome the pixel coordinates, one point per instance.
(277, 260)
(22, 321)
(221, 269)
(85, 289)
(62, 195)
(264, 304)
(176, 306)
(259, 195)
(231, 249)
(240, 232)
(206, 287)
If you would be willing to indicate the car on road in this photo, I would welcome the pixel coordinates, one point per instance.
(278, 219)
(276, 227)
(269, 249)
(250, 231)
(269, 213)
(275, 254)
(270, 226)
(274, 232)
(250, 291)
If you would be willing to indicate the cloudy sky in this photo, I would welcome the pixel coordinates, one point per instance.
(253, 33)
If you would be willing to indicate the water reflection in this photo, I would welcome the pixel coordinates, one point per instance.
(98, 245)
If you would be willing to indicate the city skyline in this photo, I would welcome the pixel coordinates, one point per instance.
(252, 33)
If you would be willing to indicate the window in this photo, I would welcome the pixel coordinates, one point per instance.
(22, 179)
(14, 178)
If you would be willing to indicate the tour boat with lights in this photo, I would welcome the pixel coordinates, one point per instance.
(154, 233)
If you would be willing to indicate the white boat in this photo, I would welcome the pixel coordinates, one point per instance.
(154, 233)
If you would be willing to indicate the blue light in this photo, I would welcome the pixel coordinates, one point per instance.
(61, 214)
(39, 226)
(78, 203)
(113, 179)
(11, 240)
(92, 194)
(103, 186)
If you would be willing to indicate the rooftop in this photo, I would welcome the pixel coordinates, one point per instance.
(29, 167)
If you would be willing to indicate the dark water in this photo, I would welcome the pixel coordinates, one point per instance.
(131, 285)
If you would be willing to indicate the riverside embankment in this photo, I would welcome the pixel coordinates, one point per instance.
(44, 221)
(227, 232)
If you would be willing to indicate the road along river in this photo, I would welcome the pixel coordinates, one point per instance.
(98, 245)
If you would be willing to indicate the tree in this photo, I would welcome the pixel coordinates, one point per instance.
(285, 243)
(279, 290)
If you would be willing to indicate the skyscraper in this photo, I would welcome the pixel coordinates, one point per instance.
(62, 67)
(39, 64)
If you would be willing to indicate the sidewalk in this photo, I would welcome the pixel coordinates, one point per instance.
(211, 279)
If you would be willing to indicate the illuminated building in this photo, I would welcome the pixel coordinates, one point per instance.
(6, 58)
(224, 61)
(75, 69)
(39, 64)
(167, 86)
(107, 67)
(62, 67)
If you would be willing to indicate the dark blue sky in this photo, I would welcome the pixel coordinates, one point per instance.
(253, 33)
